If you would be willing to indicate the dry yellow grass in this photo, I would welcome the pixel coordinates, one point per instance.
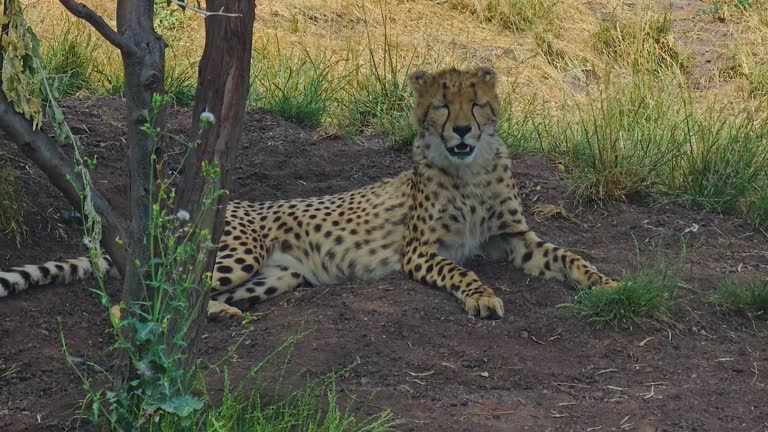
(553, 60)
(613, 87)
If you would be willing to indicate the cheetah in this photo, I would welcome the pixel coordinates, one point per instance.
(458, 200)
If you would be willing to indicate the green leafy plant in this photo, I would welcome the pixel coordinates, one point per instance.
(152, 330)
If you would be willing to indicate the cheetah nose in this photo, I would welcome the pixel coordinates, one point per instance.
(462, 131)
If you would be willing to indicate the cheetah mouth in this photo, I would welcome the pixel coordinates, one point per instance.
(461, 150)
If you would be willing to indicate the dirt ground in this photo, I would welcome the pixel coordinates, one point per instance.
(419, 355)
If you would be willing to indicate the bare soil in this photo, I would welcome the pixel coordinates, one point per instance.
(419, 355)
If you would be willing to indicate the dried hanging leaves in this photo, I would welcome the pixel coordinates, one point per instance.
(21, 83)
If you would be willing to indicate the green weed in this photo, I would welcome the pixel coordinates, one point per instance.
(153, 333)
(750, 299)
(723, 10)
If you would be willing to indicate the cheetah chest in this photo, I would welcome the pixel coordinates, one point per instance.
(464, 227)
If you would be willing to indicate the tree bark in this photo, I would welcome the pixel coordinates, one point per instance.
(143, 66)
(223, 78)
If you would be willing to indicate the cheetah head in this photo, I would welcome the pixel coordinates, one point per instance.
(455, 115)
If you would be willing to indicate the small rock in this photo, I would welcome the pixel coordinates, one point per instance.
(648, 427)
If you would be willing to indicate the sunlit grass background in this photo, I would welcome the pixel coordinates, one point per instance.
(634, 97)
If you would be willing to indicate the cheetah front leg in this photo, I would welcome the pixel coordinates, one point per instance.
(423, 264)
(239, 258)
(536, 257)
(539, 258)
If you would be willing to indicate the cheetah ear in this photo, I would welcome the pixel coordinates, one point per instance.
(487, 75)
(418, 80)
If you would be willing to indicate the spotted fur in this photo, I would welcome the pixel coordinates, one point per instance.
(459, 200)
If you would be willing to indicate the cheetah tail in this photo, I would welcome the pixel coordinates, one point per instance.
(20, 278)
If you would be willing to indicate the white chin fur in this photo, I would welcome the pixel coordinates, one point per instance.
(436, 152)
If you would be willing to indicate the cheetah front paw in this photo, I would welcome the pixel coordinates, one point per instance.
(605, 283)
(486, 306)
(218, 309)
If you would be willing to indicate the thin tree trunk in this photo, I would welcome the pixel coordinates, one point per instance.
(223, 78)
(144, 67)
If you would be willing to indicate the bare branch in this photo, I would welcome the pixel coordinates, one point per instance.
(183, 5)
(85, 13)
(47, 155)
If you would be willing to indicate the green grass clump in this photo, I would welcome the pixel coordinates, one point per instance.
(520, 15)
(645, 294)
(11, 208)
(750, 299)
(181, 83)
(69, 62)
(315, 408)
(757, 209)
(724, 162)
(647, 138)
(619, 144)
(296, 86)
(381, 101)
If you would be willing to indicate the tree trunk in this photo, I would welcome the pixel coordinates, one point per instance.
(223, 78)
(144, 67)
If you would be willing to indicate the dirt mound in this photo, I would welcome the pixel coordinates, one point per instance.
(419, 355)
